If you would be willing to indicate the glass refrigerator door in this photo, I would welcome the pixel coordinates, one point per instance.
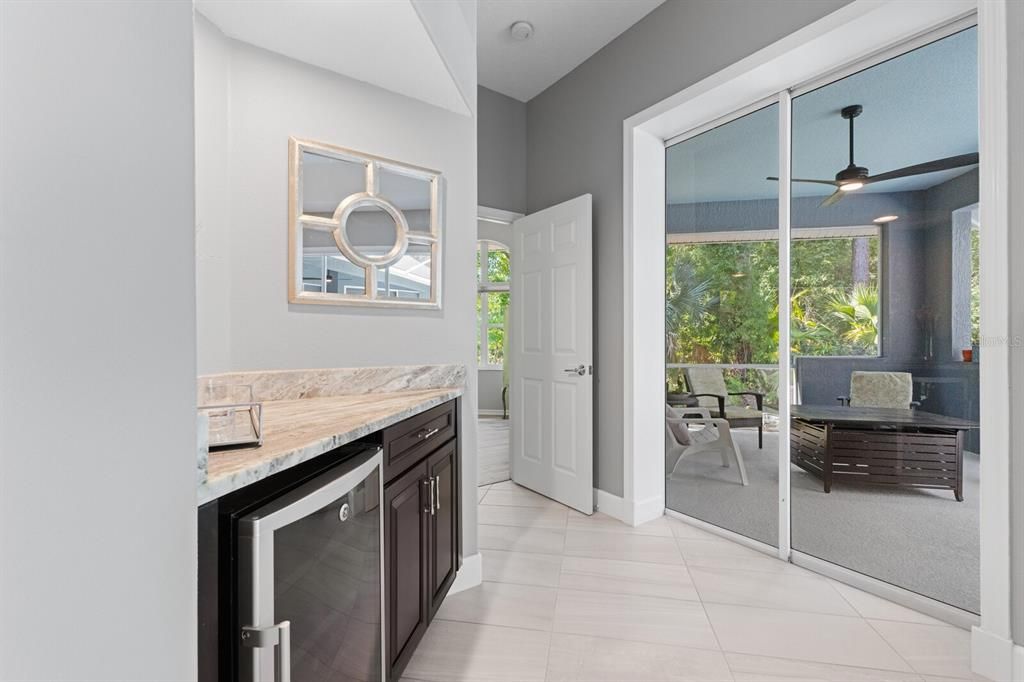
(317, 582)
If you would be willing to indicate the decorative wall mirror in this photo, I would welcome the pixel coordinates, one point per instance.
(363, 230)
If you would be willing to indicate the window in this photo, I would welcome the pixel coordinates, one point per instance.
(722, 288)
(492, 303)
(965, 303)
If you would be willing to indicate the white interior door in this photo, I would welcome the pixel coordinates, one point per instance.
(551, 363)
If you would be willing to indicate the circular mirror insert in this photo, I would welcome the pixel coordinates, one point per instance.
(371, 230)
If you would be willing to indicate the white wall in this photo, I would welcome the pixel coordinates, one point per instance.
(97, 356)
(243, 223)
(213, 245)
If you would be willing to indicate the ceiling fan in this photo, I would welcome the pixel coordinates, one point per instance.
(854, 177)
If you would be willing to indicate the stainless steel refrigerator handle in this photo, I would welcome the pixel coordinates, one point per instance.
(437, 493)
(284, 652)
(276, 635)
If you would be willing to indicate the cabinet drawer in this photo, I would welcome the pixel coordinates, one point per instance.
(407, 442)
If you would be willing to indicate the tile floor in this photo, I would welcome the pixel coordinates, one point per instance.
(570, 597)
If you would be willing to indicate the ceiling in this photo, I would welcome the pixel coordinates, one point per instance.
(918, 107)
(388, 43)
(566, 33)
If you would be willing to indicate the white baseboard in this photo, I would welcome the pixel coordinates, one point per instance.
(631, 514)
(996, 658)
(612, 505)
(470, 575)
(647, 510)
(490, 413)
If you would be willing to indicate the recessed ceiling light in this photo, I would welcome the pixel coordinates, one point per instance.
(885, 219)
(521, 30)
(851, 186)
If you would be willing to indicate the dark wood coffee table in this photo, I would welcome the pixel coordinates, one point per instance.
(879, 446)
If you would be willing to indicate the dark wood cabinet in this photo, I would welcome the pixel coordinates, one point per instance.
(421, 526)
(443, 557)
(406, 555)
(421, 544)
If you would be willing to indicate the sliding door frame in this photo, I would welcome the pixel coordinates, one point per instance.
(857, 36)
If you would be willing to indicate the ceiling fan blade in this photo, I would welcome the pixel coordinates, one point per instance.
(832, 198)
(820, 182)
(927, 167)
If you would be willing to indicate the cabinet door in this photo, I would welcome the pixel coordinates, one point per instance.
(444, 530)
(407, 509)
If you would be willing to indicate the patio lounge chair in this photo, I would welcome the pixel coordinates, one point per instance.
(707, 384)
(713, 436)
(880, 389)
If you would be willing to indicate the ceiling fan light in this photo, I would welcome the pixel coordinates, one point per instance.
(850, 186)
(881, 220)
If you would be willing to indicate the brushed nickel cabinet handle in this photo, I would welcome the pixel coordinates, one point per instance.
(437, 489)
(425, 434)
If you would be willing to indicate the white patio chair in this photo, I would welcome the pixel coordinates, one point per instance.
(711, 436)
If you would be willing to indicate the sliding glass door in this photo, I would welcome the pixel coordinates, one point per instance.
(879, 359)
(721, 325)
(884, 316)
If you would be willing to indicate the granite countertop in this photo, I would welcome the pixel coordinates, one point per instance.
(295, 431)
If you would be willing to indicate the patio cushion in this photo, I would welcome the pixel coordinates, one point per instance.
(736, 412)
(706, 380)
(678, 428)
(881, 389)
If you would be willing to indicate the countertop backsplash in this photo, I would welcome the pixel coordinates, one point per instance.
(296, 384)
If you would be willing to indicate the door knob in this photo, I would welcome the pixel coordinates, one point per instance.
(578, 369)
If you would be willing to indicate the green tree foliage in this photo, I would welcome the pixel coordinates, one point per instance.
(497, 302)
(722, 301)
(857, 314)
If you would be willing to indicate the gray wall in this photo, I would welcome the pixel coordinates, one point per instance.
(501, 151)
(1015, 28)
(574, 146)
(243, 219)
(98, 432)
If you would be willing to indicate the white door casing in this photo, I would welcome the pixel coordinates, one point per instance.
(551, 363)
